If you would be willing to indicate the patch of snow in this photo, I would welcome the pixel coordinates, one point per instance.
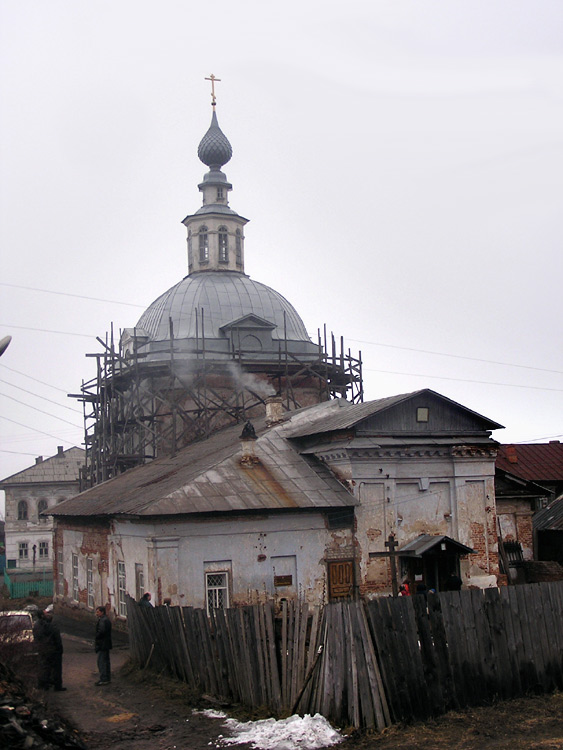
(295, 733)
(211, 714)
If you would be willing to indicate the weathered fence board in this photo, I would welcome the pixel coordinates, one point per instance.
(364, 664)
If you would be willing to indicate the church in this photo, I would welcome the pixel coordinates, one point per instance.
(231, 459)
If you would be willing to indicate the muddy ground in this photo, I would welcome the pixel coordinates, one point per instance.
(140, 710)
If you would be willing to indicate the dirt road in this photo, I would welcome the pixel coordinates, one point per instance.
(130, 713)
(134, 713)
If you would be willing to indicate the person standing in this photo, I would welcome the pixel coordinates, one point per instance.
(102, 645)
(50, 649)
(145, 600)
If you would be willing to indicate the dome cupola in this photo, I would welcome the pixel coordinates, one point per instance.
(215, 231)
(214, 149)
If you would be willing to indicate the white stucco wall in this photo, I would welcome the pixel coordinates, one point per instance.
(175, 556)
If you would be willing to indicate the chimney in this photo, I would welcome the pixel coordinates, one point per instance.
(247, 441)
(274, 410)
(38, 460)
(60, 451)
(511, 454)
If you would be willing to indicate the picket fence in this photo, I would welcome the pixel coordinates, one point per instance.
(363, 664)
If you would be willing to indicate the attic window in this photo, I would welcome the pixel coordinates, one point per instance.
(422, 414)
(340, 518)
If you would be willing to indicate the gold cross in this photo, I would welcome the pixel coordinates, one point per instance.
(212, 79)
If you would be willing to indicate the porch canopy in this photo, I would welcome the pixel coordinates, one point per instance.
(434, 544)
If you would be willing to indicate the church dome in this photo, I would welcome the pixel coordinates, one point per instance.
(214, 149)
(224, 298)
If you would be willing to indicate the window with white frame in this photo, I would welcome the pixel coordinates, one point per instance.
(60, 573)
(75, 589)
(139, 581)
(43, 551)
(121, 590)
(217, 590)
(223, 245)
(203, 245)
(23, 550)
(22, 510)
(90, 581)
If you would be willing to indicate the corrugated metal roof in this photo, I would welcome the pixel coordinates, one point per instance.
(63, 468)
(208, 477)
(550, 518)
(536, 462)
(224, 296)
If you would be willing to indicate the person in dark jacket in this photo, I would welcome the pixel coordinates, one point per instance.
(145, 600)
(102, 645)
(47, 636)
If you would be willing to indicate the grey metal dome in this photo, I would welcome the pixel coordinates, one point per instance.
(225, 298)
(214, 149)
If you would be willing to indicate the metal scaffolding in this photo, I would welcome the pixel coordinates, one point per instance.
(137, 408)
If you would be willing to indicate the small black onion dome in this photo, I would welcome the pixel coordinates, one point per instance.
(214, 149)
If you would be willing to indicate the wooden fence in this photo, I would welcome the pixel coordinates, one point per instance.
(364, 664)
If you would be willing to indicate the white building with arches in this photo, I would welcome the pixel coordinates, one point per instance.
(29, 495)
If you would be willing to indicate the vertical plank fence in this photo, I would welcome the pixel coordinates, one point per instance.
(364, 664)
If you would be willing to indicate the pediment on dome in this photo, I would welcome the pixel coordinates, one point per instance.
(248, 322)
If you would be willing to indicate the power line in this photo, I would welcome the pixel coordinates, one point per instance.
(53, 416)
(463, 380)
(43, 398)
(27, 427)
(68, 294)
(25, 375)
(454, 356)
(358, 341)
(16, 453)
(47, 330)
(370, 369)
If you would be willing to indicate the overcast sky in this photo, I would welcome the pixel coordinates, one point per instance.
(401, 164)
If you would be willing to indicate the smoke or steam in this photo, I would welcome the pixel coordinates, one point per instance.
(248, 381)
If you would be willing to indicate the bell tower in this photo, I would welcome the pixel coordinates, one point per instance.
(215, 231)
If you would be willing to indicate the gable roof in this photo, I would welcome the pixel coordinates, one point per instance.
(537, 462)
(350, 415)
(426, 542)
(63, 467)
(209, 477)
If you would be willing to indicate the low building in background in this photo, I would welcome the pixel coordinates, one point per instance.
(28, 528)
